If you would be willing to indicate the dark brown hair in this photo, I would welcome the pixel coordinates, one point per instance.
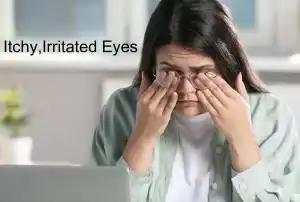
(199, 25)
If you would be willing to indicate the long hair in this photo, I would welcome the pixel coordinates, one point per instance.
(204, 26)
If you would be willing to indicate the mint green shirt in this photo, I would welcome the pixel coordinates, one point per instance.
(276, 178)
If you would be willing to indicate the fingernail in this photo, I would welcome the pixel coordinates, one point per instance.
(162, 77)
(174, 82)
(211, 74)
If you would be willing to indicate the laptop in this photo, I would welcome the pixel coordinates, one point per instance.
(63, 184)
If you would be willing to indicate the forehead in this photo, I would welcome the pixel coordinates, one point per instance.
(182, 57)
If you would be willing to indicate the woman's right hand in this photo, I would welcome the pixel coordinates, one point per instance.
(154, 109)
(156, 104)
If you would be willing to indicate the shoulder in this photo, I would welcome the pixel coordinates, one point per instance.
(121, 102)
(121, 97)
(271, 117)
(118, 113)
(115, 125)
(267, 104)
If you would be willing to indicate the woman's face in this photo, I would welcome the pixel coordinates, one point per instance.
(185, 64)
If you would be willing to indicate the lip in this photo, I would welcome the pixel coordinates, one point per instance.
(184, 101)
(187, 103)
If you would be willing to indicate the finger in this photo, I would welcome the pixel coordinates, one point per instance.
(162, 104)
(214, 88)
(241, 89)
(162, 90)
(206, 104)
(199, 83)
(149, 93)
(173, 86)
(170, 105)
(166, 78)
(224, 86)
(213, 101)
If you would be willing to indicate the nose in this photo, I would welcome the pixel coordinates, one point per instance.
(185, 86)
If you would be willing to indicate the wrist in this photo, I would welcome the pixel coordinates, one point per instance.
(145, 134)
(238, 140)
(141, 141)
(144, 138)
(138, 152)
(244, 154)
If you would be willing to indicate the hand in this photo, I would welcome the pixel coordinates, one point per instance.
(154, 110)
(228, 108)
(230, 111)
(156, 104)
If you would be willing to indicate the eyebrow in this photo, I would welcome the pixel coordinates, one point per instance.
(207, 66)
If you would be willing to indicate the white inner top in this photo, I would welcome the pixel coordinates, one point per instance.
(190, 174)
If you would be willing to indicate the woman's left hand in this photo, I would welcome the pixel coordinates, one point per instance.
(229, 109)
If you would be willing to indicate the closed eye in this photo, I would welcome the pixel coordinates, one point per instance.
(170, 69)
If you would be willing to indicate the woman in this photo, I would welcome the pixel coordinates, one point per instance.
(197, 125)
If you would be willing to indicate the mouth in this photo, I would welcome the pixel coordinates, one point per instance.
(187, 103)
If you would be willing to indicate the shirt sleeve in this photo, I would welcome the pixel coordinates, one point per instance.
(276, 178)
(108, 143)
